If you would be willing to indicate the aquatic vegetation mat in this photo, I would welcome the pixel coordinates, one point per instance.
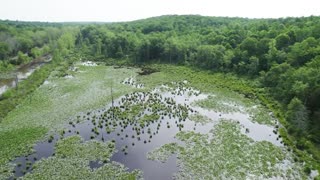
(49, 107)
(72, 159)
(11, 145)
(227, 155)
(113, 123)
(200, 119)
(219, 104)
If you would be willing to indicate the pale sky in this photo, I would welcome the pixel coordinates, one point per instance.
(127, 10)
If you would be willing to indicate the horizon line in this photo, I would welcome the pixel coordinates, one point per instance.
(103, 22)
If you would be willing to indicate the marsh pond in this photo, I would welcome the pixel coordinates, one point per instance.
(102, 122)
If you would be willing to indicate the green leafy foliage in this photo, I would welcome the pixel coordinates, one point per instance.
(297, 114)
(18, 141)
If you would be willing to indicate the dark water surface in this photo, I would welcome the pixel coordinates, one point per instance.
(134, 139)
(132, 144)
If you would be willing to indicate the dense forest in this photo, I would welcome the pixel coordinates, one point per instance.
(20, 42)
(281, 57)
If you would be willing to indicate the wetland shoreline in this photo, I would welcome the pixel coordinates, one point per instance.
(95, 125)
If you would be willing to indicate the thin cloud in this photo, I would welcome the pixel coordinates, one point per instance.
(126, 10)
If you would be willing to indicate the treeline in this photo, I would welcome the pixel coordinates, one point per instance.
(20, 42)
(40, 38)
(283, 54)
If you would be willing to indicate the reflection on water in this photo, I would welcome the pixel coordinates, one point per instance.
(168, 110)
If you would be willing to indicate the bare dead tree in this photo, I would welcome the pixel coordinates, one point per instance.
(112, 102)
(16, 81)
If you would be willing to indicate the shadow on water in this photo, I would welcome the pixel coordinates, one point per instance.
(138, 123)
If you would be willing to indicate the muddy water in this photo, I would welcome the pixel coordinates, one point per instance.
(134, 139)
(21, 73)
(6, 84)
